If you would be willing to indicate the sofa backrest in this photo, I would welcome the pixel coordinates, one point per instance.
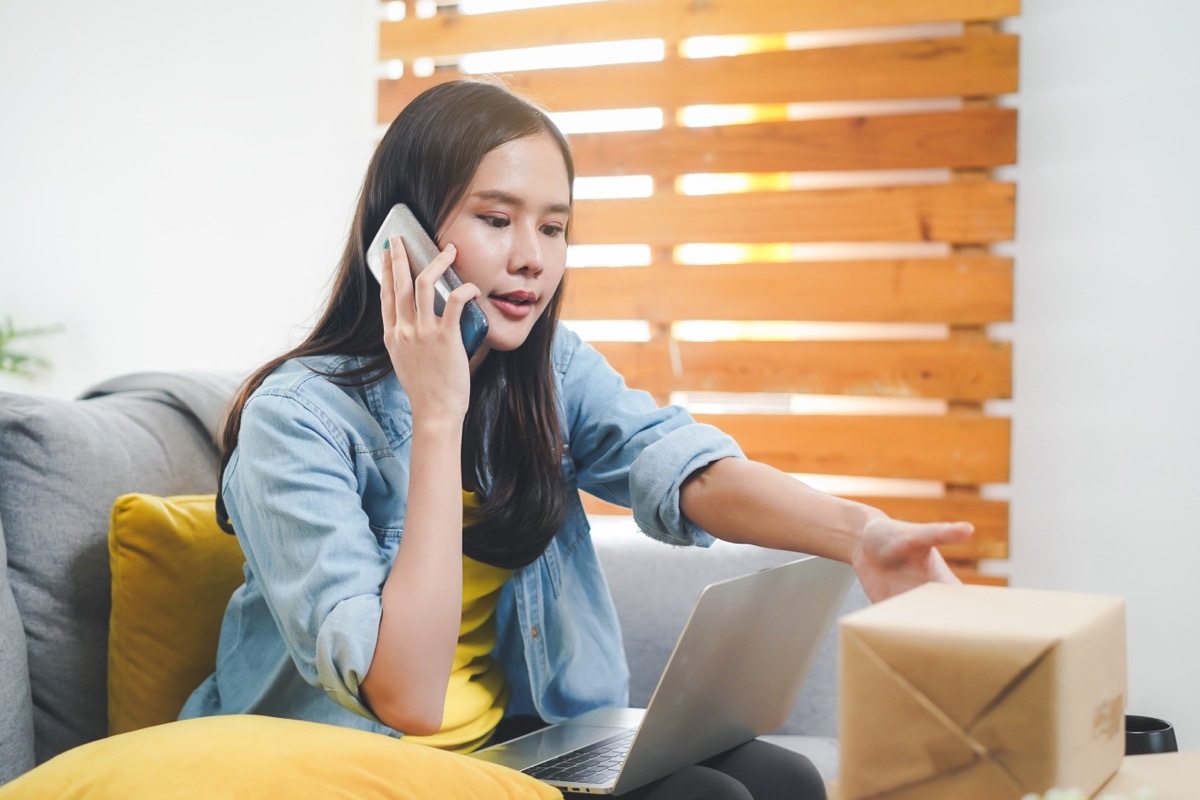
(62, 465)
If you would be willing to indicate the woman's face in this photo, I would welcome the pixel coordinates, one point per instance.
(510, 231)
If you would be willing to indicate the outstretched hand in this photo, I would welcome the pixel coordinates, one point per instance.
(894, 556)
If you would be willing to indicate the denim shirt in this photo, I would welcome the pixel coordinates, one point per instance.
(317, 491)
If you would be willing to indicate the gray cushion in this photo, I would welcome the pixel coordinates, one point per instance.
(16, 709)
(654, 587)
(62, 464)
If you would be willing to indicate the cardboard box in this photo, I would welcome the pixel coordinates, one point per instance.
(1167, 776)
(981, 692)
(1162, 776)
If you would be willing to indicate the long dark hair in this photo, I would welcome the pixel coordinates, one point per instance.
(512, 440)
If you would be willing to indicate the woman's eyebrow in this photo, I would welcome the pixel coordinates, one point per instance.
(509, 199)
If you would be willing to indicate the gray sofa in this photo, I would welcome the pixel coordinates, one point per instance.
(63, 463)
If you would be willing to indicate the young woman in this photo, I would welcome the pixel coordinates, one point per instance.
(418, 561)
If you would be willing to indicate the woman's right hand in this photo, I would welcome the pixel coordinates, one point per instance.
(426, 350)
(405, 686)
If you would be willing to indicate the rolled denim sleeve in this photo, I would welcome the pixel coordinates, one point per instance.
(294, 499)
(629, 451)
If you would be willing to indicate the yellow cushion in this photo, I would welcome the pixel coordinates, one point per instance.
(173, 570)
(261, 757)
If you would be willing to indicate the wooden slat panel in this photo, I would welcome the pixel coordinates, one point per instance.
(962, 290)
(989, 517)
(983, 137)
(450, 34)
(962, 450)
(975, 370)
(960, 213)
(950, 67)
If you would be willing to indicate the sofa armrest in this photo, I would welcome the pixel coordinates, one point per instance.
(16, 707)
(62, 465)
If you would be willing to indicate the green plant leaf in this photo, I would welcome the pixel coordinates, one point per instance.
(22, 364)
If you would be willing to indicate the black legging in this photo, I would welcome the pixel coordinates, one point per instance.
(756, 770)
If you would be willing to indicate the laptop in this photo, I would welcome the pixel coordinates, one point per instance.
(734, 674)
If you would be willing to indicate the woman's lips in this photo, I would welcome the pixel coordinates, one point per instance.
(511, 308)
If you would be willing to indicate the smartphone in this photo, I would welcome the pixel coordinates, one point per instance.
(421, 250)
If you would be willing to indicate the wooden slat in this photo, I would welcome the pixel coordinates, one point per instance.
(958, 213)
(990, 518)
(449, 33)
(953, 370)
(961, 450)
(643, 365)
(949, 67)
(969, 573)
(964, 289)
(984, 137)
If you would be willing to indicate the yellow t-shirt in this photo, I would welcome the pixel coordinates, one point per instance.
(477, 694)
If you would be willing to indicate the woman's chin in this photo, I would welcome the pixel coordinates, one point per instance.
(504, 344)
(505, 337)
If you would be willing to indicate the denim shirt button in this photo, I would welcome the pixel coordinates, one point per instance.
(534, 632)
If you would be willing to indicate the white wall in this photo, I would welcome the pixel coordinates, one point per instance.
(175, 183)
(1106, 441)
(176, 179)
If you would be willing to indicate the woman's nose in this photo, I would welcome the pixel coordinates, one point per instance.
(526, 252)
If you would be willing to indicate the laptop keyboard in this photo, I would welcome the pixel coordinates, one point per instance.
(597, 763)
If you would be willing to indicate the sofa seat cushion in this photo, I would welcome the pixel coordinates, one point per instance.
(253, 756)
(173, 571)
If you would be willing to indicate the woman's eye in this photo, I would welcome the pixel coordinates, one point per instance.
(494, 222)
(552, 230)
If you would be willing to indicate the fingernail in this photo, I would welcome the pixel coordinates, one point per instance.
(387, 243)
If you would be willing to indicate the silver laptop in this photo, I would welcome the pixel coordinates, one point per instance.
(735, 674)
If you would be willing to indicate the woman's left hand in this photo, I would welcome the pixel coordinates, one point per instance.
(895, 556)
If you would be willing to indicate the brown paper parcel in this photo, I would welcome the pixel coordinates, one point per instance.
(981, 692)
(1167, 776)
